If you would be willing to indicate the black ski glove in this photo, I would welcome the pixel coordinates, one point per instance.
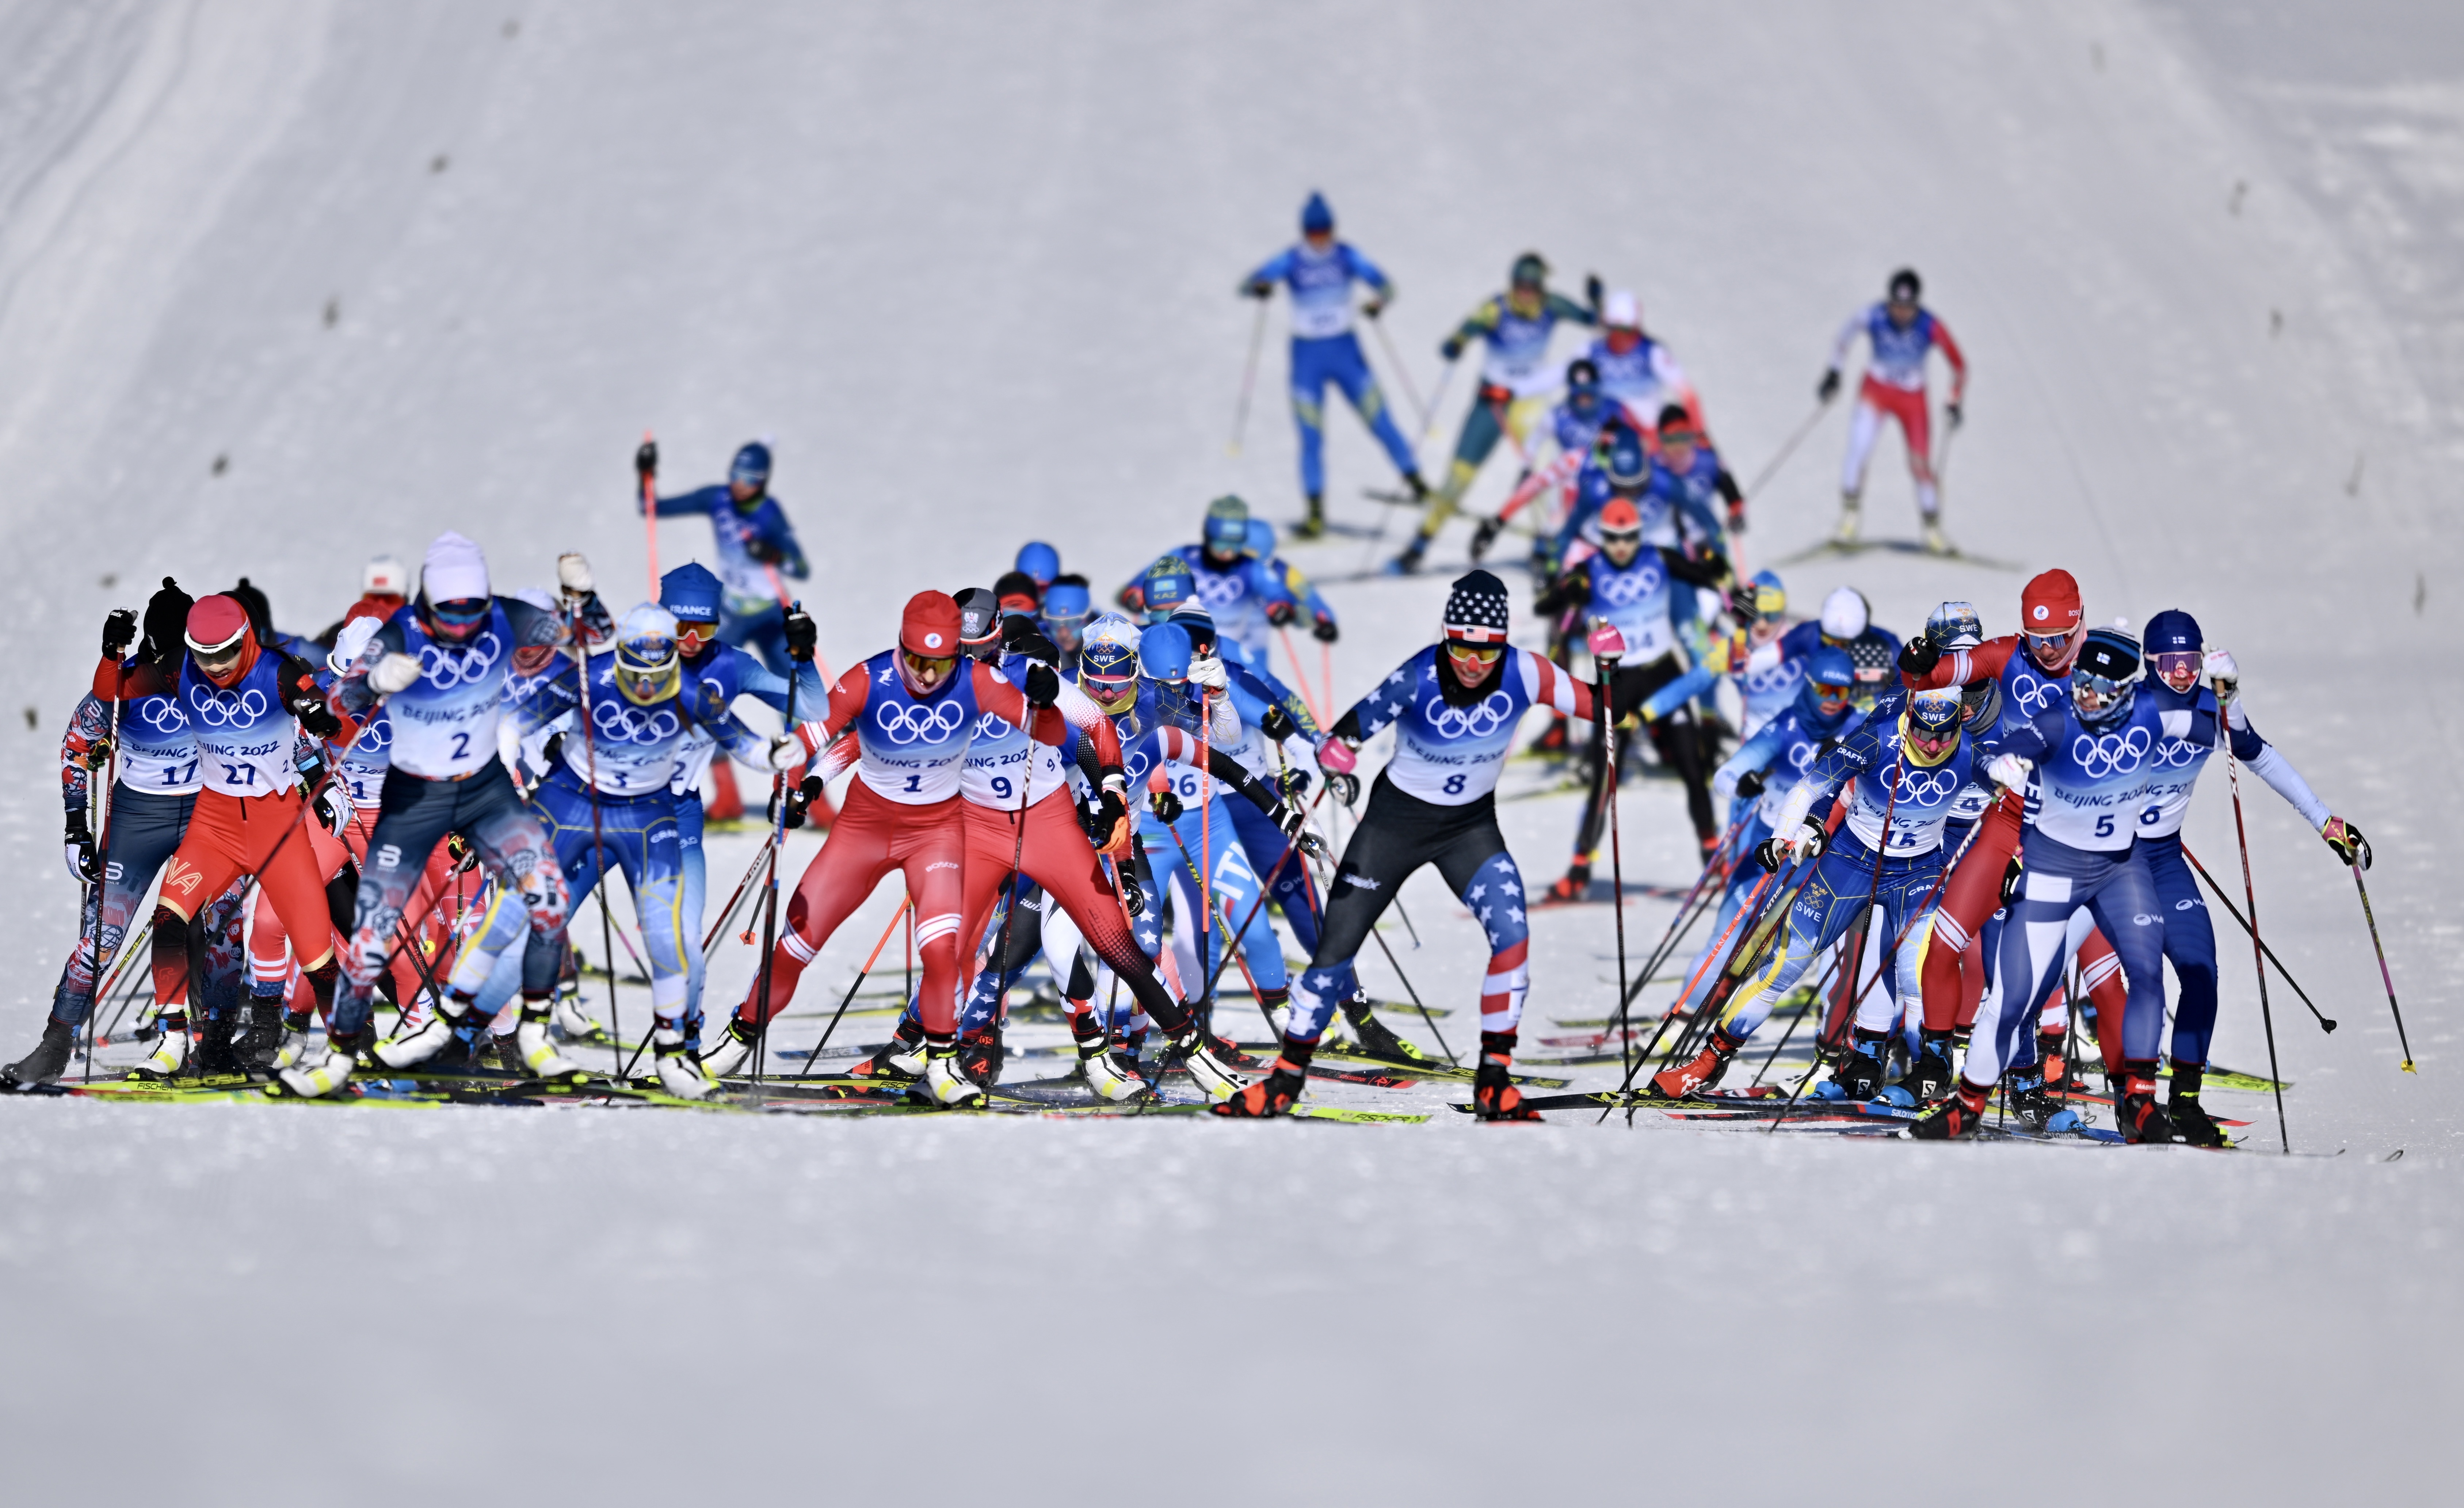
(803, 636)
(1293, 782)
(78, 847)
(1280, 613)
(1750, 785)
(1019, 637)
(767, 553)
(1594, 290)
(801, 798)
(1277, 724)
(1042, 685)
(1919, 656)
(304, 699)
(1294, 823)
(119, 631)
(1166, 806)
(1257, 288)
(1325, 632)
(1951, 412)
(2012, 874)
(1133, 897)
(1343, 786)
(1829, 387)
(1482, 537)
(646, 460)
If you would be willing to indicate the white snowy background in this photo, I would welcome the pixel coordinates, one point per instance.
(973, 267)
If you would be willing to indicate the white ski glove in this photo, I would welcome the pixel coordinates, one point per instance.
(2009, 771)
(351, 643)
(393, 672)
(573, 574)
(1208, 671)
(787, 753)
(2223, 675)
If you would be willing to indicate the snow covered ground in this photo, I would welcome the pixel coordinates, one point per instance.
(285, 284)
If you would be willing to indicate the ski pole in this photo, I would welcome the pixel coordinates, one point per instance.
(598, 839)
(1796, 1020)
(759, 858)
(812, 1064)
(2384, 975)
(2326, 1023)
(1856, 928)
(1744, 913)
(1402, 373)
(1716, 867)
(770, 896)
(1771, 467)
(650, 516)
(1437, 403)
(2250, 894)
(1009, 912)
(1248, 377)
(1604, 673)
(1308, 697)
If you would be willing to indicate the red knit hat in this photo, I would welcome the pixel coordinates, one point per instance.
(216, 623)
(2049, 604)
(930, 627)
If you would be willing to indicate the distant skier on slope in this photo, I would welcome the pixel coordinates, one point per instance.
(1321, 271)
(1902, 332)
(1637, 372)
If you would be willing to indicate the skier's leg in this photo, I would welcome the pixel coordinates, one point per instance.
(1310, 376)
(1361, 385)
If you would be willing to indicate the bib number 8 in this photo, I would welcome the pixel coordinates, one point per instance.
(1455, 783)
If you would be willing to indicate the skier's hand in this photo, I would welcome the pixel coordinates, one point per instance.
(646, 460)
(1343, 786)
(1293, 782)
(1134, 896)
(1257, 288)
(1161, 800)
(1042, 685)
(787, 752)
(334, 806)
(392, 674)
(119, 631)
(1207, 671)
(2223, 674)
(803, 635)
(799, 800)
(1606, 643)
(1375, 307)
(2010, 772)
(1829, 387)
(464, 852)
(1294, 823)
(1110, 828)
(573, 575)
(351, 643)
(1451, 348)
(1736, 517)
(2014, 874)
(77, 847)
(1750, 785)
(1280, 612)
(1483, 535)
(1338, 756)
(1277, 724)
(1951, 412)
(764, 552)
(1325, 632)
(1919, 656)
(1807, 843)
(1021, 636)
(2348, 841)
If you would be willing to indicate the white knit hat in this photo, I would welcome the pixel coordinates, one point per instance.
(453, 569)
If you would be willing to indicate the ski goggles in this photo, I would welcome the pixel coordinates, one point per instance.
(2169, 663)
(458, 619)
(648, 670)
(1109, 692)
(930, 669)
(1834, 695)
(2093, 693)
(1470, 656)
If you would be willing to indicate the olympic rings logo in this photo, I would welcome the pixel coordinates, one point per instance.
(1800, 757)
(1492, 713)
(447, 668)
(1925, 787)
(1218, 590)
(992, 726)
(163, 714)
(376, 736)
(1764, 682)
(1135, 763)
(229, 709)
(2110, 753)
(620, 722)
(2034, 694)
(2175, 753)
(904, 723)
(1625, 587)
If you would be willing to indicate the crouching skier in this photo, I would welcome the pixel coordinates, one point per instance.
(607, 804)
(1455, 706)
(441, 663)
(1905, 769)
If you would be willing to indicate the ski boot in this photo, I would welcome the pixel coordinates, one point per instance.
(439, 1031)
(2057, 1064)
(732, 1051)
(1222, 1049)
(1313, 526)
(2142, 1118)
(900, 1060)
(1700, 1074)
(1274, 1095)
(1928, 1077)
(1111, 1076)
(1573, 886)
(1408, 563)
(573, 1023)
(49, 1059)
(1956, 1118)
(2024, 1091)
(538, 1054)
(256, 1046)
(981, 1055)
(1856, 1077)
(1493, 1095)
(1190, 1051)
(1372, 1037)
(1482, 537)
(2191, 1123)
(1937, 543)
(943, 1083)
(502, 1050)
(213, 1057)
(294, 1040)
(1850, 519)
(678, 1073)
(171, 1054)
(315, 1081)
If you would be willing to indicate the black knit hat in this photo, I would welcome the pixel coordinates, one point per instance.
(166, 621)
(1476, 610)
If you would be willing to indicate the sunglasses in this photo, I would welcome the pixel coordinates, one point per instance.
(929, 667)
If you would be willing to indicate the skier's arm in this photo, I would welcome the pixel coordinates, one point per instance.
(1476, 326)
(1678, 693)
(537, 701)
(1754, 755)
(1369, 272)
(1180, 745)
(1574, 587)
(1950, 353)
(89, 727)
(847, 699)
(1261, 283)
(2267, 763)
(1002, 697)
(779, 537)
(699, 501)
(1566, 309)
(1710, 570)
(1555, 474)
(1846, 760)
(1847, 341)
(1548, 685)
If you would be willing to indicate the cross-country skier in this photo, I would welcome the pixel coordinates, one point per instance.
(1904, 770)
(154, 779)
(441, 664)
(1307, 601)
(1573, 434)
(2093, 756)
(247, 705)
(1455, 707)
(1235, 586)
(1321, 271)
(385, 585)
(1039, 563)
(756, 546)
(1902, 332)
(1066, 606)
(1687, 472)
(1635, 371)
(1630, 586)
(1515, 381)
